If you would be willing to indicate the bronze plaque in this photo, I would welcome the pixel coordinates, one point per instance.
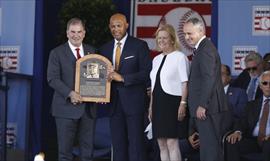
(91, 78)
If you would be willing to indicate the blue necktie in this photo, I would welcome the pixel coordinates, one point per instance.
(251, 90)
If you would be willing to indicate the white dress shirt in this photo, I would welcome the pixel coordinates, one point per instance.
(175, 70)
(73, 49)
(256, 129)
(198, 43)
(122, 46)
(226, 88)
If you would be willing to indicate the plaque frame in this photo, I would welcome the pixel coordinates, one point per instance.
(92, 75)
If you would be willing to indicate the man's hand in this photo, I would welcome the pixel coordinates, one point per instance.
(236, 136)
(148, 91)
(267, 137)
(195, 143)
(201, 113)
(115, 76)
(75, 98)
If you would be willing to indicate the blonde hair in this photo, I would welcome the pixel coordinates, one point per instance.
(171, 31)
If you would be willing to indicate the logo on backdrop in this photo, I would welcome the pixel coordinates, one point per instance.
(11, 135)
(147, 15)
(261, 20)
(238, 57)
(9, 58)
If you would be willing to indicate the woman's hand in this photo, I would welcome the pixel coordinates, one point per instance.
(182, 111)
(150, 114)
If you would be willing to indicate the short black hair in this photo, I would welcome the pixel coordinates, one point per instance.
(266, 56)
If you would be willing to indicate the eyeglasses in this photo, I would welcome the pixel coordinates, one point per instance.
(265, 83)
(251, 68)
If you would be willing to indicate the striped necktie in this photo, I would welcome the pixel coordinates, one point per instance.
(117, 55)
(263, 121)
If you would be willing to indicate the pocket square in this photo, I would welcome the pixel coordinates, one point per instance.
(128, 57)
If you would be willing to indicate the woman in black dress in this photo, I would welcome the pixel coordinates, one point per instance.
(169, 78)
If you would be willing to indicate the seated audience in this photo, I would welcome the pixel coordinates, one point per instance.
(266, 61)
(237, 97)
(252, 131)
(248, 79)
(190, 147)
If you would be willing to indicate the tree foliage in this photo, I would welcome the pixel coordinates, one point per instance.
(95, 14)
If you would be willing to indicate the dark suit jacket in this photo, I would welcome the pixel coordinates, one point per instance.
(61, 77)
(242, 81)
(135, 65)
(251, 116)
(205, 85)
(237, 98)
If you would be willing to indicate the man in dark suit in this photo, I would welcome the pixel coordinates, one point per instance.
(237, 100)
(73, 117)
(207, 101)
(252, 132)
(248, 79)
(237, 97)
(129, 80)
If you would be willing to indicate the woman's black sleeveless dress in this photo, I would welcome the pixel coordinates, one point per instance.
(165, 112)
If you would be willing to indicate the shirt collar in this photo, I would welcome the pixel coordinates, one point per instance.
(198, 43)
(72, 47)
(122, 41)
(264, 98)
(226, 88)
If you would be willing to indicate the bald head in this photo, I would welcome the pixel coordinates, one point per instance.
(118, 26)
(118, 17)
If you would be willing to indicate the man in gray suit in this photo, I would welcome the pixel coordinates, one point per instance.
(73, 117)
(206, 99)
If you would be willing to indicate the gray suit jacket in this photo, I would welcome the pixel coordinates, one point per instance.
(205, 85)
(61, 77)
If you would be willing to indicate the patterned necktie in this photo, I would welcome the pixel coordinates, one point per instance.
(263, 121)
(117, 55)
(78, 53)
(251, 90)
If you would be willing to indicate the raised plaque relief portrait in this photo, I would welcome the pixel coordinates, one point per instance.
(92, 70)
(91, 78)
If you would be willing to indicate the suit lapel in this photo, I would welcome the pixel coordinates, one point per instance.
(257, 110)
(124, 51)
(228, 91)
(68, 53)
(85, 51)
(109, 53)
(201, 45)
